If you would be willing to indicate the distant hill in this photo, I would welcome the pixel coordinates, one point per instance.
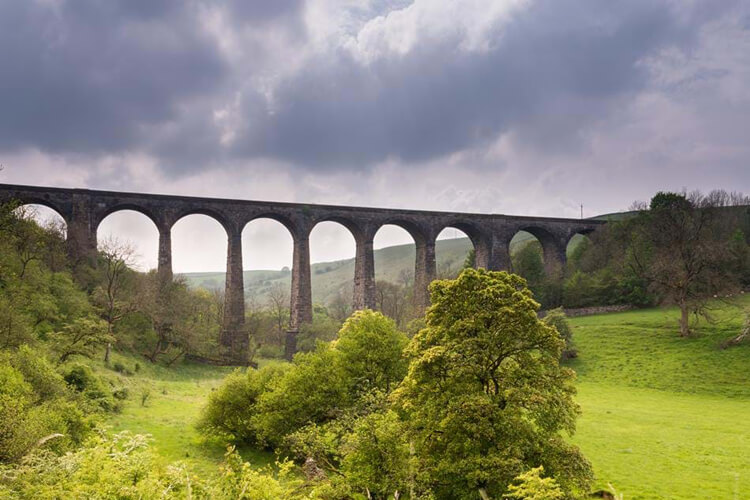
(330, 278)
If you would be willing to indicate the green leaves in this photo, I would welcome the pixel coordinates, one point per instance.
(485, 397)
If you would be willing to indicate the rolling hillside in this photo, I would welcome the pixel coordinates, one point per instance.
(330, 278)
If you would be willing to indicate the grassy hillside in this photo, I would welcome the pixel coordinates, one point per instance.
(330, 278)
(664, 417)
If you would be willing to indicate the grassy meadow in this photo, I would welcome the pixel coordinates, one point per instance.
(663, 416)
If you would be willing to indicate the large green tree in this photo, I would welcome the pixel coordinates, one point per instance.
(485, 397)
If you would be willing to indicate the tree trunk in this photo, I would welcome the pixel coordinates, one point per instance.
(684, 320)
(483, 494)
(106, 352)
(412, 475)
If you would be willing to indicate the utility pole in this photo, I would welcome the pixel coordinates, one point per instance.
(581, 210)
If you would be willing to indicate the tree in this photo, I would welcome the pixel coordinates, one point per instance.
(82, 337)
(681, 248)
(485, 397)
(376, 455)
(34, 242)
(278, 303)
(371, 351)
(527, 262)
(340, 307)
(445, 269)
(116, 259)
(392, 300)
(471, 259)
(182, 321)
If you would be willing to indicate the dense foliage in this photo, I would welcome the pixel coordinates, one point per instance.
(680, 249)
(475, 399)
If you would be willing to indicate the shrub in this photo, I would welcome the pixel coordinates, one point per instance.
(26, 418)
(371, 350)
(532, 486)
(38, 372)
(122, 393)
(230, 409)
(557, 319)
(121, 368)
(83, 380)
(124, 466)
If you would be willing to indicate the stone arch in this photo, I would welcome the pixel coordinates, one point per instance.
(480, 242)
(418, 233)
(210, 223)
(354, 228)
(48, 216)
(44, 202)
(218, 216)
(281, 219)
(121, 207)
(424, 262)
(576, 237)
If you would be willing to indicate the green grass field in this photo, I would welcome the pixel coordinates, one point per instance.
(663, 417)
(171, 410)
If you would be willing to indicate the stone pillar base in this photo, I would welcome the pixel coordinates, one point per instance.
(233, 347)
(290, 347)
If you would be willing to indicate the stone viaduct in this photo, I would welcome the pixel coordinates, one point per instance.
(83, 210)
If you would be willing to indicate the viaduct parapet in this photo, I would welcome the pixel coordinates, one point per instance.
(83, 210)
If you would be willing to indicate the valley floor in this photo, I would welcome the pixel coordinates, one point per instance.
(663, 417)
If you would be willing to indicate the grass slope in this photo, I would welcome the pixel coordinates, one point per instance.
(171, 411)
(664, 417)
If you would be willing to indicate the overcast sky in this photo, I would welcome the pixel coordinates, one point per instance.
(528, 107)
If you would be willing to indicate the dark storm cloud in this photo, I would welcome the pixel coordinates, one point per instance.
(253, 11)
(553, 68)
(93, 77)
(87, 76)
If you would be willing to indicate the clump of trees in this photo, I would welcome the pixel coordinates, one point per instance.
(51, 325)
(475, 399)
(680, 249)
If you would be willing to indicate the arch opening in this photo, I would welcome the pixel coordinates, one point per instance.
(454, 250)
(199, 251)
(131, 234)
(47, 245)
(395, 257)
(267, 247)
(332, 252)
(536, 257)
(576, 252)
(527, 256)
(45, 216)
